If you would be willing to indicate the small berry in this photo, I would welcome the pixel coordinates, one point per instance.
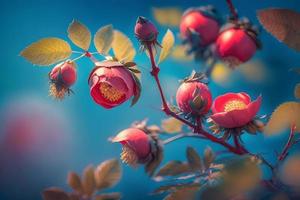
(207, 27)
(62, 77)
(235, 46)
(194, 97)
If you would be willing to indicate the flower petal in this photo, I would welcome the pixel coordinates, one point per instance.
(220, 102)
(237, 118)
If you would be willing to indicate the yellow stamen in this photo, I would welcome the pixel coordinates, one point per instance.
(110, 93)
(129, 156)
(234, 105)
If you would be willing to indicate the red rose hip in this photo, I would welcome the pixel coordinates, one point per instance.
(194, 97)
(235, 46)
(205, 26)
(62, 77)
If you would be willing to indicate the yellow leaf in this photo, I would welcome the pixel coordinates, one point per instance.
(254, 71)
(290, 172)
(123, 48)
(167, 44)
(179, 53)
(283, 117)
(170, 16)
(171, 125)
(47, 51)
(297, 91)
(80, 35)
(74, 182)
(88, 181)
(103, 39)
(107, 174)
(221, 73)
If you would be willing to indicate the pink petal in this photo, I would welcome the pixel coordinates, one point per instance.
(237, 118)
(220, 102)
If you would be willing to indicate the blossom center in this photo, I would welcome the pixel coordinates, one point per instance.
(110, 92)
(129, 156)
(234, 105)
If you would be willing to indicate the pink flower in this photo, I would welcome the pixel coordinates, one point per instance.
(187, 95)
(136, 145)
(111, 84)
(145, 31)
(233, 110)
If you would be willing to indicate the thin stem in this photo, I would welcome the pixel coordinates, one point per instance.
(91, 57)
(182, 135)
(210, 67)
(288, 145)
(165, 107)
(232, 10)
(77, 58)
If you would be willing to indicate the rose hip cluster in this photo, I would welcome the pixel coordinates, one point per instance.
(234, 43)
(229, 114)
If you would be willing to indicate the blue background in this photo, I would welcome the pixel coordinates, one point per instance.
(23, 22)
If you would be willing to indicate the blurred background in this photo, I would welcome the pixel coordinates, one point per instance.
(42, 139)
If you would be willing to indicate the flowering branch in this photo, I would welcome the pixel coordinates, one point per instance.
(197, 128)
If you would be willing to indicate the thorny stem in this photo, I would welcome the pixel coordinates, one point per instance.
(232, 10)
(198, 128)
(288, 145)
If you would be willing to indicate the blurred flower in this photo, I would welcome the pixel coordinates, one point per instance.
(62, 76)
(234, 110)
(136, 145)
(111, 84)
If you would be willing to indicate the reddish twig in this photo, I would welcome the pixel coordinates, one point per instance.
(232, 10)
(198, 128)
(288, 145)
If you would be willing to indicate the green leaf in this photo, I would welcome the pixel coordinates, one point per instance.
(80, 35)
(283, 24)
(171, 125)
(88, 181)
(209, 157)
(193, 159)
(107, 174)
(284, 116)
(74, 182)
(47, 51)
(55, 194)
(167, 44)
(103, 39)
(123, 48)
